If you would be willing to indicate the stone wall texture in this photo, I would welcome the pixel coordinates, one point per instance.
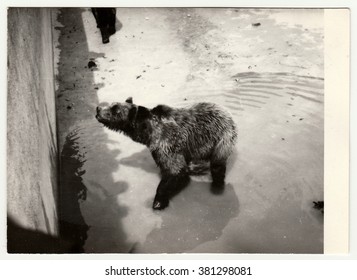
(32, 157)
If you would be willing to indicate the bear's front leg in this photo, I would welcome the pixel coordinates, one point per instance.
(169, 186)
(161, 200)
(174, 177)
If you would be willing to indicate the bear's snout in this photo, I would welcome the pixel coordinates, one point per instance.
(99, 110)
(102, 113)
(102, 108)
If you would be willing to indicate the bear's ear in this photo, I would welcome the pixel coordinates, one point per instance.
(129, 100)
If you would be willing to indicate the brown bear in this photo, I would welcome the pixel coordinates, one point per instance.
(105, 18)
(175, 137)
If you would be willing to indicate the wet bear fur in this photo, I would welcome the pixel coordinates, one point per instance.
(175, 137)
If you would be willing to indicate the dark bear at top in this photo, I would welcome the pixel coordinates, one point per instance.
(105, 18)
(175, 137)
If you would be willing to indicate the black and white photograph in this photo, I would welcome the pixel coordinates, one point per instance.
(134, 130)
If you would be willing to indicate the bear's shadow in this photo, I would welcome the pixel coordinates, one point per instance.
(118, 24)
(194, 216)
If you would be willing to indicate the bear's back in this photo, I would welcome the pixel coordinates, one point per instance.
(212, 124)
(196, 130)
(208, 118)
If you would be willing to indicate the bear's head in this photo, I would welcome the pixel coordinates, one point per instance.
(121, 116)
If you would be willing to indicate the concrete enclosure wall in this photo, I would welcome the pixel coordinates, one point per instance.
(31, 122)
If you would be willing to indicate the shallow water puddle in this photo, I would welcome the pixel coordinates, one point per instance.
(258, 87)
(273, 178)
(279, 168)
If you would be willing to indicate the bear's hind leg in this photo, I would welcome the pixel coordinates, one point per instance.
(219, 157)
(218, 172)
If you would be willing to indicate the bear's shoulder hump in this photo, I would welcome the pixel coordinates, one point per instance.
(162, 111)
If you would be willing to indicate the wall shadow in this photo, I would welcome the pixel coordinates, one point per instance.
(72, 190)
(21, 240)
(83, 145)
